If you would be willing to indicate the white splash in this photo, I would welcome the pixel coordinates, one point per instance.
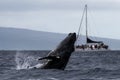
(26, 61)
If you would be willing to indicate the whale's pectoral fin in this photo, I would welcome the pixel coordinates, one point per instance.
(50, 58)
(43, 58)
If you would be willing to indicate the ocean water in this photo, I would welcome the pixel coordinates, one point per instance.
(93, 65)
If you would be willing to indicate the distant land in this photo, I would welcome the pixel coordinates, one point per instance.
(23, 39)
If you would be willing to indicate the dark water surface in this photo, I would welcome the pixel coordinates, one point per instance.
(102, 65)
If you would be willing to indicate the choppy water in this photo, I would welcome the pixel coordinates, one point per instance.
(103, 65)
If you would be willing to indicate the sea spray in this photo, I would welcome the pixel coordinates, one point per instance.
(26, 61)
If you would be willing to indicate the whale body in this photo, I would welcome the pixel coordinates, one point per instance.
(59, 57)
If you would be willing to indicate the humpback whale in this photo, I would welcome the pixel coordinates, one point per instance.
(58, 58)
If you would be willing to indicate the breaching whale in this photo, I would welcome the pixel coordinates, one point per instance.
(58, 58)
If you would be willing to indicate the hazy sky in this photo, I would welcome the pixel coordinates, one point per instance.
(62, 16)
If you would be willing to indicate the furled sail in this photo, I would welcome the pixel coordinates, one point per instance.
(91, 41)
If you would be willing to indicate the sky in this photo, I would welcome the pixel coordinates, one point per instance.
(62, 16)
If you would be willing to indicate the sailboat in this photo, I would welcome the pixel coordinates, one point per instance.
(90, 44)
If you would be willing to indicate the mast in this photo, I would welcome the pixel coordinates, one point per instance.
(86, 23)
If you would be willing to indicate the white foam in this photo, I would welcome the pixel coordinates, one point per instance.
(26, 61)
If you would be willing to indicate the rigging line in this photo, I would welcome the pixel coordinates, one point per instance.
(93, 21)
(80, 23)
